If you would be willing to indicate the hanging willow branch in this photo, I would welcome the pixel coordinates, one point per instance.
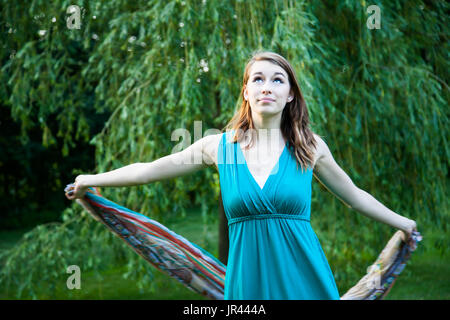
(187, 59)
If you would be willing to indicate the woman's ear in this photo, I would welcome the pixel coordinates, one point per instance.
(290, 97)
(245, 93)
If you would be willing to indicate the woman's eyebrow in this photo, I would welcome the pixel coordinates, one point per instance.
(274, 74)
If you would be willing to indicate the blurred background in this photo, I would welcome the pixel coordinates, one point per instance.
(91, 86)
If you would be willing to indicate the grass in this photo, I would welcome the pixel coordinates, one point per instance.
(425, 277)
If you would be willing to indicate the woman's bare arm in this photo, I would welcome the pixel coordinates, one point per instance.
(174, 165)
(328, 172)
(178, 164)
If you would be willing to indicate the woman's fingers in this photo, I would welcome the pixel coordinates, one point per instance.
(409, 230)
(74, 191)
(69, 191)
(69, 195)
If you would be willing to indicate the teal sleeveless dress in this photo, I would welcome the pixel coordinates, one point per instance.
(274, 254)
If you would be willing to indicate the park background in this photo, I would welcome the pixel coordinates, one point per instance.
(89, 100)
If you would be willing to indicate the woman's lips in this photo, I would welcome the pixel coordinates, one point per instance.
(267, 100)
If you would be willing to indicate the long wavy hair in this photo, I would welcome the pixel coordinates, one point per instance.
(294, 118)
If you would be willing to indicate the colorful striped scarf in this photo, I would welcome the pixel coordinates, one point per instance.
(202, 272)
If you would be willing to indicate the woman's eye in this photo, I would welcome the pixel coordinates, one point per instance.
(259, 78)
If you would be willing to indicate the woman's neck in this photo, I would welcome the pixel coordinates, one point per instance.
(266, 121)
(267, 129)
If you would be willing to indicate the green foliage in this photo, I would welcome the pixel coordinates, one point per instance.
(379, 97)
(43, 254)
(32, 176)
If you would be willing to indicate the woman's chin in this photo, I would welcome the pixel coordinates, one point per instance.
(267, 110)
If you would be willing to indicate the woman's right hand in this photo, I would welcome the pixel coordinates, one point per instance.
(79, 189)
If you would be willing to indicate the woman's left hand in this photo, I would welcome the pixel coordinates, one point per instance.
(408, 230)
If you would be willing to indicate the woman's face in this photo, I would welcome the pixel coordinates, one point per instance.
(267, 89)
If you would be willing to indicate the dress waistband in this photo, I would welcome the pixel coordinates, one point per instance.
(267, 216)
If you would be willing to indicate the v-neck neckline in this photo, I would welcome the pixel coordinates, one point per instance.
(270, 174)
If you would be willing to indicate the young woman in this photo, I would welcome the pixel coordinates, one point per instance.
(265, 160)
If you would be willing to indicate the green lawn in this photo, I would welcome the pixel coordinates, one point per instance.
(425, 277)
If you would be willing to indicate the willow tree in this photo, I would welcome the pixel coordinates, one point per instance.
(378, 96)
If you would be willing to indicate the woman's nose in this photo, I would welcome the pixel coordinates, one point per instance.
(266, 89)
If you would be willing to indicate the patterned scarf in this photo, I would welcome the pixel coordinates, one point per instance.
(202, 272)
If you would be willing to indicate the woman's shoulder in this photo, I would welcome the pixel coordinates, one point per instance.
(211, 147)
(213, 139)
(318, 139)
(319, 148)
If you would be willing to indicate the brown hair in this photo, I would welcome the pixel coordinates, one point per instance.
(294, 118)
